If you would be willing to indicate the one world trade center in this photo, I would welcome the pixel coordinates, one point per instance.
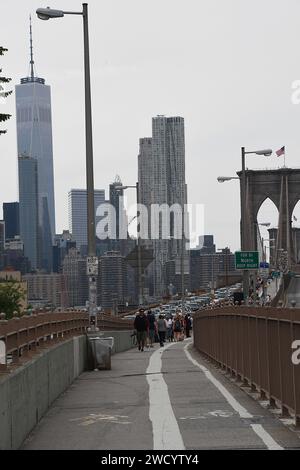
(35, 162)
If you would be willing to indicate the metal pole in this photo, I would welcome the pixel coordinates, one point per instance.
(90, 177)
(140, 281)
(243, 228)
(182, 261)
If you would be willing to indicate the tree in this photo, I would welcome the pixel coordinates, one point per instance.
(3, 93)
(11, 296)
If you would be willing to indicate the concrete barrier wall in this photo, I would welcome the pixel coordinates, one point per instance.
(27, 392)
(122, 340)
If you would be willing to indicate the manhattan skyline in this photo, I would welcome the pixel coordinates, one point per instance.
(233, 88)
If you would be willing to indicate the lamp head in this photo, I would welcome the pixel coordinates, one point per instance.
(221, 179)
(266, 153)
(47, 13)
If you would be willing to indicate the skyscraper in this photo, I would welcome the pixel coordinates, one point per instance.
(76, 281)
(113, 280)
(77, 206)
(34, 139)
(145, 175)
(28, 195)
(11, 218)
(162, 181)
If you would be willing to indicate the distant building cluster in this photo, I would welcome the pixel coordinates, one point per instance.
(54, 266)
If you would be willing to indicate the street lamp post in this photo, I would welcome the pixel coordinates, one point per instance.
(92, 262)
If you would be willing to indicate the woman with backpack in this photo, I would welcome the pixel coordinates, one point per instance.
(177, 327)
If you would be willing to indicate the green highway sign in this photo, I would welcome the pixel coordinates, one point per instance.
(275, 274)
(246, 260)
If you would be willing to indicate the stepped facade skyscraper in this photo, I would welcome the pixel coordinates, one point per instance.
(161, 175)
(34, 140)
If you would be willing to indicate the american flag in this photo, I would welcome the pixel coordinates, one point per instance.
(280, 151)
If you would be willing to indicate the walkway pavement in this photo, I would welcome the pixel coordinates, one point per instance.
(165, 398)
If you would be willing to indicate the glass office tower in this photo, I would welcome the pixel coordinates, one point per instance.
(34, 137)
(28, 194)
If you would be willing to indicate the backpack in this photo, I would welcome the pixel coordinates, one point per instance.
(177, 325)
(151, 320)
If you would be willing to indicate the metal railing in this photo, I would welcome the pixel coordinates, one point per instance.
(255, 345)
(22, 336)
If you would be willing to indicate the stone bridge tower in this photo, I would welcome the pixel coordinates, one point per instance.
(282, 187)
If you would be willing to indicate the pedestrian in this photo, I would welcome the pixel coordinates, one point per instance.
(170, 333)
(141, 326)
(151, 328)
(162, 329)
(188, 325)
(177, 327)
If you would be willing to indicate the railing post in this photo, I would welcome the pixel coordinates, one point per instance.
(16, 354)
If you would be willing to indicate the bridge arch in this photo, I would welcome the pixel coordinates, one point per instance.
(282, 187)
(267, 213)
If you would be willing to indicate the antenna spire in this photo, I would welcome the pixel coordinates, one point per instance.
(31, 52)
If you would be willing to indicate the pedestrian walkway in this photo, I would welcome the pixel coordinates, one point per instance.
(163, 398)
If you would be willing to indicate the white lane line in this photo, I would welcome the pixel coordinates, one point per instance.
(166, 433)
(265, 437)
(257, 428)
(231, 400)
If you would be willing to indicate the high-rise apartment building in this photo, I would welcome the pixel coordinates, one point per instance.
(162, 181)
(11, 218)
(75, 290)
(207, 264)
(34, 139)
(63, 242)
(77, 206)
(113, 280)
(46, 288)
(145, 171)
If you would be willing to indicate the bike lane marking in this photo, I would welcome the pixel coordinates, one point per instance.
(257, 428)
(166, 432)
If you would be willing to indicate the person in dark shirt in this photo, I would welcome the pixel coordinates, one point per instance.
(141, 327)
(188, 325)
(151, 327)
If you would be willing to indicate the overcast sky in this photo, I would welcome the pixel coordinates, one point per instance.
(226, 66)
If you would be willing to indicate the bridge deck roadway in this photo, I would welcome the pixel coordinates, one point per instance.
(165, 398)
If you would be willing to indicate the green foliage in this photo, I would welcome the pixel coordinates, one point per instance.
(2, 50)
(11, 296)
(3, 93)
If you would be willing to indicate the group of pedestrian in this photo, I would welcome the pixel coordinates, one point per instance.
(148, 328)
